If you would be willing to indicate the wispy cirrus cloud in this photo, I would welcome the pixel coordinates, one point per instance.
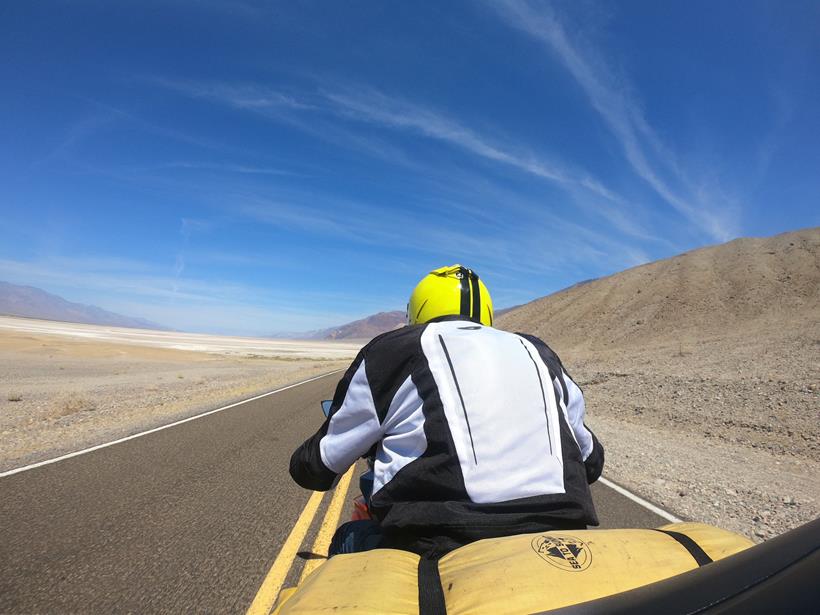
(370, 105)
(314, 112)
(337, 107)
(622, 216)
(231, 168)
(366, 105)
(614, 102)
(187, 227)
(525, 237)
(358, 223)
(306, 111)
(242, 96)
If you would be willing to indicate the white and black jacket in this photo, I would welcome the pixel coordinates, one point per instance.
(476, 433)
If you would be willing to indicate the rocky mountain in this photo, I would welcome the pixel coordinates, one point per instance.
(746, 285)
(33, 302)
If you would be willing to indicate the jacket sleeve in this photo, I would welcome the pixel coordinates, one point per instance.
(592, 452)
(571, 399)
(350, 430)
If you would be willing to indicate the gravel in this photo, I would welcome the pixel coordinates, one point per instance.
(714, 434)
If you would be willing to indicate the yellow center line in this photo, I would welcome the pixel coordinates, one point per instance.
(269, 591)
(328, 528)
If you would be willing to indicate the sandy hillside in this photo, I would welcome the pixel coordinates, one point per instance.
(771, 283)
(702, 377)
(64, 387)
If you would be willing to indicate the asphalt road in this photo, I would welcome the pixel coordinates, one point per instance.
(185, 519)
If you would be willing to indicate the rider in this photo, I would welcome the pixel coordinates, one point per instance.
(469, 438)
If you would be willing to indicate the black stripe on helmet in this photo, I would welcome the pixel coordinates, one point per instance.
(421, 308)
(464, 308)
(475, 313)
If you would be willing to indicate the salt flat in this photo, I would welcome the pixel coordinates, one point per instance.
(197, 342)
(66, 386)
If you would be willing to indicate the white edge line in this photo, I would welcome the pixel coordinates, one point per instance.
(639, 500)
(161, 427)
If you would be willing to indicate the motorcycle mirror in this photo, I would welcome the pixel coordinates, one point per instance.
(326, 406)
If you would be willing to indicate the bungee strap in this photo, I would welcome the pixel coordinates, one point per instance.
(431, 594)
(690, 545)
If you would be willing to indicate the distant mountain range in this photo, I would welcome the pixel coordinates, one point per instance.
(33, 302)
(369, 327)
(362, 329)
(365, 328)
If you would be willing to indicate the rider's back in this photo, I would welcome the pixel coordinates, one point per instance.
(475, 432)
(471, 430)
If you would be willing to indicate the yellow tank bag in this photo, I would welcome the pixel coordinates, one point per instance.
(517, 574)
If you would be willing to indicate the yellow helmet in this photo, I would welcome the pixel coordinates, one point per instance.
(446, 291)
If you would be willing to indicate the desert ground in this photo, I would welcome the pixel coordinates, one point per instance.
(721, 431)
(66, 386)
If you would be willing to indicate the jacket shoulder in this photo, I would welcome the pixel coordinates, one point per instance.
(390, 359)
(549, 356)
(392, 340)
(537, 342)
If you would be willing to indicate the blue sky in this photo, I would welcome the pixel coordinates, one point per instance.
(244, 167)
